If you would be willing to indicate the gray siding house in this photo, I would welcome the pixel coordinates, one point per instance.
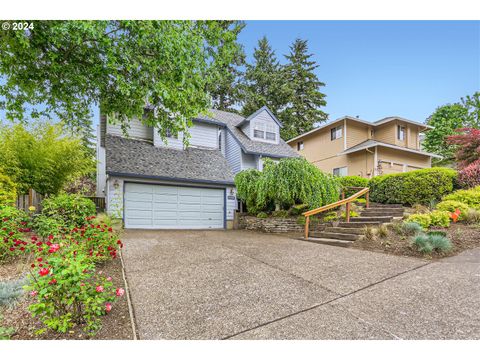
(153, 184)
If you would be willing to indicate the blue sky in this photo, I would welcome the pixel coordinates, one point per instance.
(380, 68)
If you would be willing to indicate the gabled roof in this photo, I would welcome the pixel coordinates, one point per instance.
(373, 124)
(258, 112)
(232, 122)
(372, 143)
(137, 158)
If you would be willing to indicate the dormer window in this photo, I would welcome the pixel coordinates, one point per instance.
(264, 131)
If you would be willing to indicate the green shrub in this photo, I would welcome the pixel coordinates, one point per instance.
(283, 184)
(330, 216)
(355, 181)
(471, 197)
(423, 244)
(471, 216)
(352, 214)
(418, 186)
(360, 201)
(298, 209)
(8, 191)
(48, 225)
(262, 215)
(452, 205)
(71, 209)
(301, 220)
(437, 232)
(423, 220)
(411, 228)
(280, 213)
(426, 243)
(440, 218)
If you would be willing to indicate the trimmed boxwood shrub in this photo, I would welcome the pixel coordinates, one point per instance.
(414, 187)
(356, 181)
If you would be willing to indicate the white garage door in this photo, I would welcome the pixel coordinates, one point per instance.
(173, 207)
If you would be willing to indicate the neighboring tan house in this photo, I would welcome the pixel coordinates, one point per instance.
(155, 185)
(351, 146)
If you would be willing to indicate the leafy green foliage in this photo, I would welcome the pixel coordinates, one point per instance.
(262, 215)
(305, 100)
(343, 215)
(423, 220)
(330, 216)
(264, 82)
(13, 223)
(440, 218)
(42, 157)
(445, 120)
(62, 68)
(11, 291)
(452, 205)
(8, 190)
(284, 184)
(71, 209)
(298, 209)
(418, 186)
(471, 197)
(353, 180)
(411, 228)
(280, 213)
(45, 225)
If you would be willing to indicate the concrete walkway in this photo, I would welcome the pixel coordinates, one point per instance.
(246, 285)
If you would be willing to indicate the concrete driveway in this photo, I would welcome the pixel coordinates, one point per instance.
(246, 285)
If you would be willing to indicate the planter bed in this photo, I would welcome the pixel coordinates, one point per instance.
(115, 326)
(463, 237)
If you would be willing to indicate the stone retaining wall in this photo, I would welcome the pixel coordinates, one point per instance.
(275, 224)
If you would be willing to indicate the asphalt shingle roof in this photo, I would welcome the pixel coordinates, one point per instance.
(141, 158)
(232, 120)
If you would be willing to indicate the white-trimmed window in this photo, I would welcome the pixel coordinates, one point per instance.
(336, 132)
(264, 131)
(401, 132)
(300, 145)
(341, 171)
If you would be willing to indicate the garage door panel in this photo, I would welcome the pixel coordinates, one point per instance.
(173, 207)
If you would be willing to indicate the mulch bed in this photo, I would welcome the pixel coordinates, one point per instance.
(463, 237)
(115, 326)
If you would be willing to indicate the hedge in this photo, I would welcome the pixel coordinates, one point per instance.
(8, 191)
(355, 181)
(414, 187)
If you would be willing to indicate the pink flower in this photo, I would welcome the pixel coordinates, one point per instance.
(99, 288)
(54, 248)
(33, 293)
(82, 284)
(109, 278)
(120, 292)
(108, 307)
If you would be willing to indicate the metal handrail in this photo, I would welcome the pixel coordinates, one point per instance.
(347, 201)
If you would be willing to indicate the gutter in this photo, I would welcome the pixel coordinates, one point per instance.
(167, 178)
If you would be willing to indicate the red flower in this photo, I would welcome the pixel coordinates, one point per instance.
(44, 272)
(22, 249)
(34, 238)
(39, 259)
(50, 237)
(33, 265)
(52, 282)
(120, 292)
(39, 243)
(54, 248)
(99, 288)
(48, 243)
(110, 229)
(108, 307)
(12, 249)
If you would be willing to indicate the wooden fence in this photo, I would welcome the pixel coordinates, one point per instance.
(99, 202)
(31, 199)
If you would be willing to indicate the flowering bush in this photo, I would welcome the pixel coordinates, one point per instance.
(68, 291)
(14, 223)
(469, 176)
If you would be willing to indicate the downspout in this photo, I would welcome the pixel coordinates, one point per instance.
(374, 160)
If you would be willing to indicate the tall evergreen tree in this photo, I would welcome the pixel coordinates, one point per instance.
(264, 82)
(225, 90)
(305, 98)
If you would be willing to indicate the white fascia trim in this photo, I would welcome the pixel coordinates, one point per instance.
(392, 147)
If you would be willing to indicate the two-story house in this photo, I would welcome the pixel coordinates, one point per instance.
(351, 146)
(153, 184)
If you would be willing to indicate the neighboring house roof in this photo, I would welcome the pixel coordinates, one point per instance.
(137, 158)
(373, 124)
(232, 121)
(258, 112)
(372, 143)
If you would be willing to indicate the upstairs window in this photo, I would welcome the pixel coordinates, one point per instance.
(264, 131)
(336, 132)
(300, 145)
(401, 133)
(342, 171)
